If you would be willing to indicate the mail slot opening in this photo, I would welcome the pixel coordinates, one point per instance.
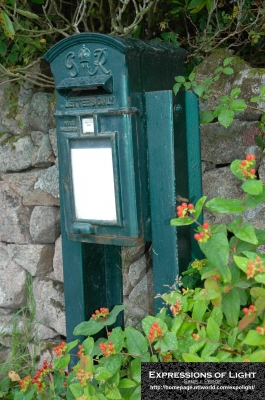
(78, 92)
(99, 84)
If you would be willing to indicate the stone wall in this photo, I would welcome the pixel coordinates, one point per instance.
(30, 245)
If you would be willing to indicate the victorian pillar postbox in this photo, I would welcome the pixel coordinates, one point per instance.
(109, 93)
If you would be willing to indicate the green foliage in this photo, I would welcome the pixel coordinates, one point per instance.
(204, 25)
(220, 320)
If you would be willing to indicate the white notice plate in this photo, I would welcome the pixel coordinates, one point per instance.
(93, 181)
(88, 125)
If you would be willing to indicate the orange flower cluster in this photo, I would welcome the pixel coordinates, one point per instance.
(155, 332)
(249, 311)
(37, 379)
(176, 309)
(254, 268)
(24, 383)
(246, 167)
(261, 330)
(184, 210)
(168, 357)
(102, 313)
(81, 351)
(107, 349)
(196, 337)
(60, 350)
(203, 235)
(83, 377)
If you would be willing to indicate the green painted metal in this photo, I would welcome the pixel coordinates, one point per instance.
(174, 173)
(105, 79)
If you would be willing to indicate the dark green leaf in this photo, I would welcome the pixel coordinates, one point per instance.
(234, 93)
(102, 374)
(238, 105)
(209, 349)
(226, 117)
(199, 206)
(216, 250)
(219, 69)
(8, 25)
(111, 318)
(199, 310)
(259, 141)
(136, 369)
(253, 201)
(88, 328)
(126, 383)
(180, 79)
(181, 221)
(62, 362)
(192, 76)
(199, 90)
(117, 338)
(113, 363)
(228, 71)
(254, 338)
(241, 262)
(253, 187)
(206, 116)
(234, 166)
(207, 81)
(257, 356)
(176, 88)
(255, 99)
(231, 307)
(71, 345)
(3, 48)
(262, 90)
(167, 342)
(212, 330)
(244, 231)
(88, 345)
(136, 342)
(187, 85)
(191, 358)
(227, 61)
(223, 206)
(224, 99)
(257, 292)
(76, 389)
(27, 14)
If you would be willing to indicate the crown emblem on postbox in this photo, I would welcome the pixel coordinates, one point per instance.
(84, 56)
(100, 57)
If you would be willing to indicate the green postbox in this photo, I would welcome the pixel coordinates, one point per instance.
(121, 135)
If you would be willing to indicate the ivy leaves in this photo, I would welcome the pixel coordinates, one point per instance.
(228, 105)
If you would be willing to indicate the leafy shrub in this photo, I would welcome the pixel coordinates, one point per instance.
(222, 320)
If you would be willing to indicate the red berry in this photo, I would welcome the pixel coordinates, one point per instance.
(190, 206)
(250, 157)
(252, 171)
(245, 310)
(197, 236)
(184, 205)
(202, 234)
(206, 225)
